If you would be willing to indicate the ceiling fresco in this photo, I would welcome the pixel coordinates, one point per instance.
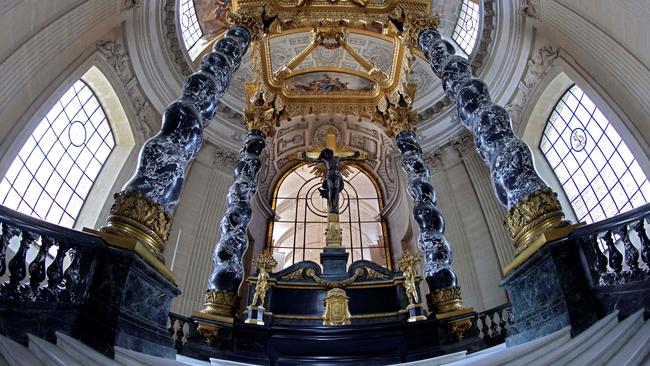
(212, 16)
(328, 82)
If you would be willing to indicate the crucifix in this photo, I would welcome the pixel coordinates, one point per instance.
(334, 158)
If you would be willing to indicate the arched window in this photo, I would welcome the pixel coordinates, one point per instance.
(598, 173)
(466, 30)
(58, 164)
(189, 24)
(297, 231)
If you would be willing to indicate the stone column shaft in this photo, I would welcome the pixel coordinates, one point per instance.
(143, 209)
(533, 206)
(444, 294)
(228, 269)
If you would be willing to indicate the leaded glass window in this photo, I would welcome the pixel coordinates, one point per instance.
(56, 167)
(466, 30)
(190, 28)
(297, 231)
(599, 174)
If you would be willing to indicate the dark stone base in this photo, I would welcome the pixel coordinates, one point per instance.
(42, 319)
(335, 263)
(549, 292)
(626, 298)
(372, 344)
(128, 306)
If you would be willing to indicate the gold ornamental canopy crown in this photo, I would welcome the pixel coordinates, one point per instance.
(301, 81)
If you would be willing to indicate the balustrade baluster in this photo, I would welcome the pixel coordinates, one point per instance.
(37, 267)
(631, 253)
(600, 260)
(481, 327)
(179, 335)
(55, 273)
(615, 257)
(71, 276)
(8, 232)
(502, 321)
(172, 323)
(18, 268)
(645, 242)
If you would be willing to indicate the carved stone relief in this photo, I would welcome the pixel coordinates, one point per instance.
(538, 66)
(116, 55)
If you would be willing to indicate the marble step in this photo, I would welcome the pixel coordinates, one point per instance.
(513, 354)
(607, 346)
(81, 352)
(15, 354)
(49, 354)
(191, 361)
(127, 357)
(636, 351)
(437, 361)
(579, 344)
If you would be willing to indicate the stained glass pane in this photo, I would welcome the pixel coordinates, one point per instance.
(50, 177)
(466, 30)
(301, 217)
(598, 172)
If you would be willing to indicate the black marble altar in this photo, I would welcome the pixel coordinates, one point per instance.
(128, 306)
(549, 292)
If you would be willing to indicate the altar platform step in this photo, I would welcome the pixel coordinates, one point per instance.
(608, 342)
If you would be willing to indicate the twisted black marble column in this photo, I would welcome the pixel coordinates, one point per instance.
(143, 209)
(228, 271)
(510, 160)
(164, 157)
(431, 241)
(533, 206)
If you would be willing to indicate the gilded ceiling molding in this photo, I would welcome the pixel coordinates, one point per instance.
(537, 67)
(117, 57)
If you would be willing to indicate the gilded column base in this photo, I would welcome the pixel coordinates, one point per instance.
(135, 216)
(218, 306)
(536, 214)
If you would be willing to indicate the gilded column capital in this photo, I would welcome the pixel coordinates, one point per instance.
(415, 24)
(398, 117)
(252, 21)
(134, 215)
(261, 114)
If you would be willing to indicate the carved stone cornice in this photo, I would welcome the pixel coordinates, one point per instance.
(463, 143)
(117, 57)
(538, 66)
(530, 9)
(172, 39)
(224, 158)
